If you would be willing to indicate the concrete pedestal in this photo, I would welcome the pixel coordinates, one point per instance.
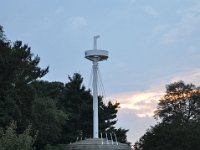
(97, 144)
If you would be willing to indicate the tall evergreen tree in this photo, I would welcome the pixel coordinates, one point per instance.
(78, 104)
(18, 68)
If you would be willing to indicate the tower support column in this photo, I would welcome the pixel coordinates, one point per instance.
(95, 56)
(95, 101)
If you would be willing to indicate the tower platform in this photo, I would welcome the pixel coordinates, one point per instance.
(97, 144)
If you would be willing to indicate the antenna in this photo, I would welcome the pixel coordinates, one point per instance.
(95, 56)
(95, 41)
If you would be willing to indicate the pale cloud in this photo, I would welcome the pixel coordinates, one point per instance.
(190, 77)
(151, 11)
(192, 50)
(132, 1)
(186, 26)
(160, 29)
(59, 10)
(144, 103)
(137, 126)
(77, 23)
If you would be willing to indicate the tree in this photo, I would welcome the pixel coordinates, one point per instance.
(49, 117)
(107, 115)
(18, 68)
(54, 147)
(121, 135)
(52, 90)
(179, 126)
(77, 103)
(170, 136)
(2, 35)
(26, 71)
(10, 140)
(8, 108)
(107, 120)
(181, 103)
(48, 120)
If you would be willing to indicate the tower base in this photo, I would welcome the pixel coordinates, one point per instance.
(97, 144)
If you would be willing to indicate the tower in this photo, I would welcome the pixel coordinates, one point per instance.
(96, 143)
(95, 56)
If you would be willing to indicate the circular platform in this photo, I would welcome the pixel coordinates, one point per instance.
(97, 144)
(99, 55)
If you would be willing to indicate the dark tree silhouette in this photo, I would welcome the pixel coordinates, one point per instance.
(178, 112)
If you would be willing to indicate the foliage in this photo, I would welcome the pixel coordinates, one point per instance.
(52, 90)
(48, 120)
(121, 135)
(18, 68)
(181, 103)
(179, 114)
(75, 100)
(107, 117)
(54, 147)
(170, 136)
(2, 35)
(108, 114)
(79, 105)
(10, 140)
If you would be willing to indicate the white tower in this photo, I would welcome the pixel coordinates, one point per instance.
(95, 56)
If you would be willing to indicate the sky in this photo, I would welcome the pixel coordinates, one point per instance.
(151, 43)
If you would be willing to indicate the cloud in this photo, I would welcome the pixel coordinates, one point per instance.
(151, 11)
(160, 29)
(187, 25)
(189, 77)
(137, 108)
(144, 103)
(59, 10)
(132, 1)
(77, 23)
(137, 126)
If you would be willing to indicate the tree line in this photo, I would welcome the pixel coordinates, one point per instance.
(38, 114)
